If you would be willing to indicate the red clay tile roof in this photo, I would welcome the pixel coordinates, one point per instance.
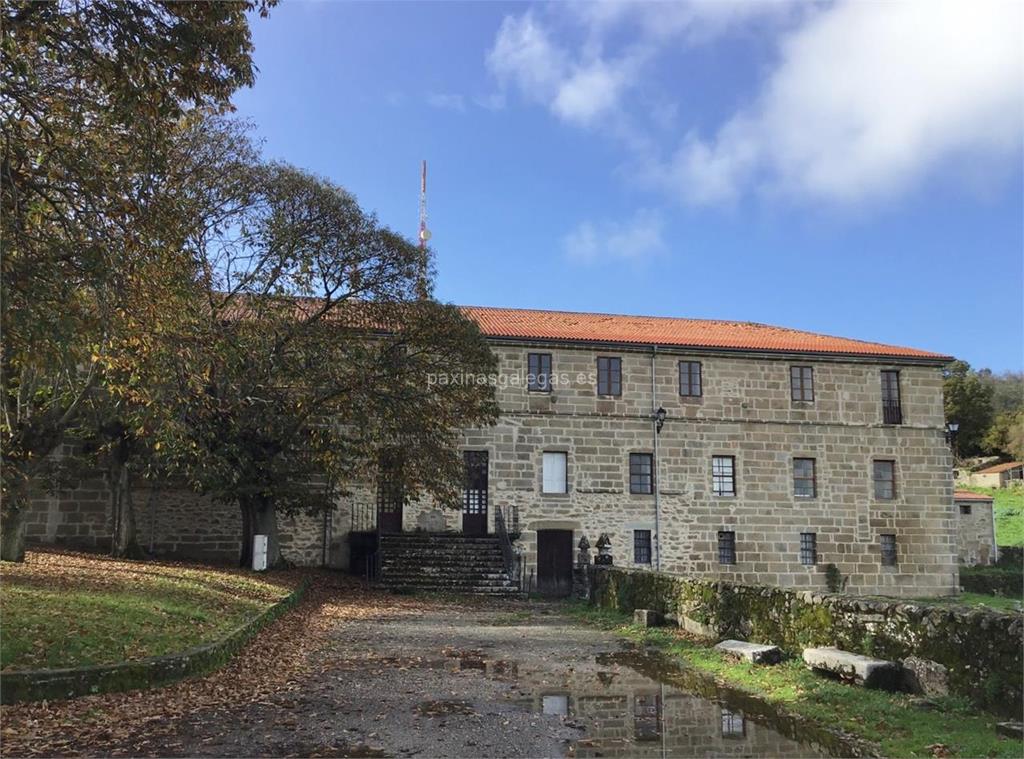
(999, 468)
(967, 495)
(665, 331)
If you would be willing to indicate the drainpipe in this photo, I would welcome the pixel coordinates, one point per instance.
(657, 464)
(995, 546)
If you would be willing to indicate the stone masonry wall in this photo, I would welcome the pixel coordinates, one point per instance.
(981, 648)
(745, 411)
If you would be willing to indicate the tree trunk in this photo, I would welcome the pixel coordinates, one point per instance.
(259, 517)
(12, 532)
(124, 543)
(245, 554)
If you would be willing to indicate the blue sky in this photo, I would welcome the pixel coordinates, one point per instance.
(851, 168)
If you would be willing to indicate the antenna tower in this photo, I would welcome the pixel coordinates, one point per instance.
(424, 234)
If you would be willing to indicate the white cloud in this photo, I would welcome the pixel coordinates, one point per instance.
(866, 100)
(577, 89)
(524, 54)
(592, 90)
(636, 239)
(447, 101)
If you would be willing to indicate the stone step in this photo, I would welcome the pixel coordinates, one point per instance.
(502, 592)
(435, 572)
(412, 538)
(410, 583)
(442, 561)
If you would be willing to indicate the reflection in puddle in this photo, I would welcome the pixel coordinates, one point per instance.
(557, 705)
(641, 704)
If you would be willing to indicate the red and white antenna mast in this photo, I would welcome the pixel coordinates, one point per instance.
(424, 234)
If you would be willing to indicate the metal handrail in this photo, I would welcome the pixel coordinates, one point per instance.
(504, 539)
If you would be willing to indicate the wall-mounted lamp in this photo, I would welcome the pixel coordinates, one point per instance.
(659, 418)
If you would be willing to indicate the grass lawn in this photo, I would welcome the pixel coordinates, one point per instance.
(1001, 603)
(70, 609)
(1009, 508)
(890, 720)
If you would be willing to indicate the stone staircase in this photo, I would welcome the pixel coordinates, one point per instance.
(444, 562)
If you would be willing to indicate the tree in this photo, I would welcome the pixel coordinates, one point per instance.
(1005, 437)
(968, 401)
(90, 91)
(312, 354)
(1007, 390)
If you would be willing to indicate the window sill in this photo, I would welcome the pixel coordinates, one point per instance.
(691, 398)
(555, 495)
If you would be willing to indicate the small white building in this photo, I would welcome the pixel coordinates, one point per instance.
(998, 476)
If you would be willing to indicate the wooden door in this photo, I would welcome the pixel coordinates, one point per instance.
(554, 562)
(474, 493)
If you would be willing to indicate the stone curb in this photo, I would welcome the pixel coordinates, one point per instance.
(55, 684)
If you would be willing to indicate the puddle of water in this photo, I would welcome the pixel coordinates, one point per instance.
(640, 703)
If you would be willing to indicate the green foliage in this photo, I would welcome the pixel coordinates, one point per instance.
(962, 640)
(315, 353)
(1005, 437)
(993, 581)
(968, 401)
(833, 578)
(92, 92)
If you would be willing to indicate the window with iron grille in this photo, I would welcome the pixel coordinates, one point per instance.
(801, 383)
(892, 411)
(641, 473)
(726, 547)
(647, 717)
(390, 482)
(609, 375)
(808, 548)
(723, 475)
(965, 509)
(538, 369)
(641, 546)
(804, 480)
(474, 489)
(884, 475)
(732, 724)
(689, 378)
(888, 543)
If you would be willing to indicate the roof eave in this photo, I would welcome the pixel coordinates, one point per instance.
(937, 360)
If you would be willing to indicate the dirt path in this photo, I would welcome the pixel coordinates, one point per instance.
(357, 673)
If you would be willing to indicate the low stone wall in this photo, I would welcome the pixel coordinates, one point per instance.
(55, 684)
(981, 648)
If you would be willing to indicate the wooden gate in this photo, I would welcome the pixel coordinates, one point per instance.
(554, 562)
(474, 493)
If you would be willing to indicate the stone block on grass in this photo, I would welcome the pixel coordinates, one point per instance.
(647, 618)
(755, 653)
(854, 668)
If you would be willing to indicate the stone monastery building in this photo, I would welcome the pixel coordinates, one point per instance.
(778, 453)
